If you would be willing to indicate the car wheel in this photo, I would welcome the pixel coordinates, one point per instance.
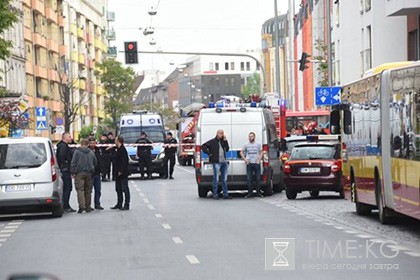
(202, 192)
(341, 194)
(314, 194)
(290, 194)
(57, 211)
(268, 189)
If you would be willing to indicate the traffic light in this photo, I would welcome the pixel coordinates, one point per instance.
(303, 60)
(131, 54)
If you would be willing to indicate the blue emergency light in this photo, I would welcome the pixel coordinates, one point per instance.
(211, 104)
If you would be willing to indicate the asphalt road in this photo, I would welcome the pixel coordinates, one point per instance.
(170, 233)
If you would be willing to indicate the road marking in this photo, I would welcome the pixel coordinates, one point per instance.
(413, 254)
(351, 231)
(5, 235)
(151, 207)
(166, 226)
(337, 227)
(9, 227)
(7, 231)
(3, 240)
(177, 240)
(397, 248)
(186, 170)
(15, 223)
(377, 241)
(146, 200)
(365, 236)
(192, 259)
(158, 215)
(141, 194)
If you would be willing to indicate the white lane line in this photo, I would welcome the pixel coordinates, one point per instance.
(351, 231)
(177, 240)
(186, 170)
(146, 200)
(10, 227)
(141, 194)
(5, 235)
(7, 231)
(151, 207)
(3, 240)
(377, 241)
(337, 227)
(158, 216)
(192, 259)
(14, 223)
(166, 226)
(413, 254)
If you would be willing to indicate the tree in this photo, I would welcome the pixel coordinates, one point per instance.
(252, 86)
(322, 66)
(8, 16)
(118, 83)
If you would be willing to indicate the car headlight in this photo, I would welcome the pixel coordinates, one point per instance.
(161, 155)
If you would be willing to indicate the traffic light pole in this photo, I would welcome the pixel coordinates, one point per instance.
(262, 89)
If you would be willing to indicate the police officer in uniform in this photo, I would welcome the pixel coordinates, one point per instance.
(170, 151)
(144, 154)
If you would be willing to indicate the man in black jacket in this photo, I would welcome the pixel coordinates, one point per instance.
(64, 156)
(170, 151)
(121, 169)
(144, 154)
(96, 177)
(216, 148)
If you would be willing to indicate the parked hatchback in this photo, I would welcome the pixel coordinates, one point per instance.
(29, 177)
(313, 167)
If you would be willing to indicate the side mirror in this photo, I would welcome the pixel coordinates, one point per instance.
(282, 145)
(347, 122)
(335, 122)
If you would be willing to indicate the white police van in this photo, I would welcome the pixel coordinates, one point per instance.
(130, 127)
(237, 122)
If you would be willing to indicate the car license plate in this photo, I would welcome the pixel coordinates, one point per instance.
(18, 188)
(307, 170)
(208, 166)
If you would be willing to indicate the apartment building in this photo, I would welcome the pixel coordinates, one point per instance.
(63, 40)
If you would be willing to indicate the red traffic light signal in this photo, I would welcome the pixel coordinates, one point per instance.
(303, 60)
(131, 53)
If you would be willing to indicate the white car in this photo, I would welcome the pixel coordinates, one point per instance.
(29, 177)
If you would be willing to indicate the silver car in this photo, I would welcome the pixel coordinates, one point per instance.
(29, 177)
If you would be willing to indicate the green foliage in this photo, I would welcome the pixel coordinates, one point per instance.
(170, 117)
(322, 67)
(118, 83)
(8, 16)
(252, 86)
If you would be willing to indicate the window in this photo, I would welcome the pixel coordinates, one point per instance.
(232, 66)
(242, 66)
(226, 65)
(232, 82)
(217, 66)
(248, 66)
(257, 65)
(30, 155)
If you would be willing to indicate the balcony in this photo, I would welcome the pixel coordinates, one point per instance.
(82, 59)
(63, 50)
(110, 35)
(56, 106)
(90, 63)
(97, 42)
(99, 90)
(40, 72)
(40, 40)
(101, 114)
(53, 75)
(61, 21)
(38, 5)
(51, 15)
(74, 56)
(88, 38)
(29, 68)
(27, 3)
(73, 29)
(27, 35)
(52, 46)
(402, 8)
(80, 33)
(112, 52)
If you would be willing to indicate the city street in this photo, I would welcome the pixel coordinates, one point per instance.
(170, 233)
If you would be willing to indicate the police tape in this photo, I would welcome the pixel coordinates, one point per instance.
(136, 145)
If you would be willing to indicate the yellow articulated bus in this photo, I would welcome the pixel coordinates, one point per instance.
(379, 121)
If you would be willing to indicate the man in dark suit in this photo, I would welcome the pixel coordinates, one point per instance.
(121, 170)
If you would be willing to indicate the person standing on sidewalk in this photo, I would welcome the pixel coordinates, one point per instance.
(121, 169)
(170, 144)
(82, 167)
(216, 148)
(251, 153)
(64, 156)
(96, 177)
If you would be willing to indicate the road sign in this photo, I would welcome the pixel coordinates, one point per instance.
(59, 121)
(41, 125)
(327, 95)
(59, 129)
(41, 112)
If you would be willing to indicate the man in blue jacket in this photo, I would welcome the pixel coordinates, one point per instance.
(216, 148)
